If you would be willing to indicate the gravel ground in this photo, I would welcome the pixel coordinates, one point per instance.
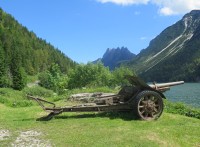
(29, 138)
(4, 134)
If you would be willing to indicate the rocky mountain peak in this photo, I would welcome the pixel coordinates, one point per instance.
(194, 13)
(191, 20)
(114, 56)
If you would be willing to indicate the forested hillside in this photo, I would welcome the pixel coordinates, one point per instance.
(21, 51)
(174, 54)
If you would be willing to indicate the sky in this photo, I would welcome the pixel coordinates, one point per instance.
(84, 29)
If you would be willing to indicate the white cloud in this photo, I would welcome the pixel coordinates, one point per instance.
(143, 38)
(166, 11)
(173, 7)
(125, 2)
(165, 7)
(137, 13)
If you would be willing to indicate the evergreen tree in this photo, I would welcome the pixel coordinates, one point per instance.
(19, 79)
(36, 54)
(2, 67)
(21, 52)
(18, 73)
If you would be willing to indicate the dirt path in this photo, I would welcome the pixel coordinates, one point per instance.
(33, 84)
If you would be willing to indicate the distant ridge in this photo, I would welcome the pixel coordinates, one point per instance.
(174, 54)
(114, 57)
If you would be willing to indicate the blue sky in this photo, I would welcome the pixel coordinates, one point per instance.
(84, 29)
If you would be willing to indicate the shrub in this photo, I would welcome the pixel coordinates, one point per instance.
(53, 79)
(38, 91)
(13, 98)
(182, 109)
(89, 75)
(3, 100)
(21, 103)
(119, 75)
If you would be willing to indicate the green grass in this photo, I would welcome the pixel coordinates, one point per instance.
(13, 98)
(182, 109)
(101, 129)
(96, 129)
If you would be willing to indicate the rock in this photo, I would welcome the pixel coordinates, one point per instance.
(4, 134)
(88, 97)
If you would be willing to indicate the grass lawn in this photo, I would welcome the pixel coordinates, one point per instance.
(18, 127)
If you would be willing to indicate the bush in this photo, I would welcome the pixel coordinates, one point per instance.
(13, 98)
(89, 75)
(45, 81)
(38, 91)
(21, 103)
(182, 109)
(53, 79)
(119, 76)
(3, 100)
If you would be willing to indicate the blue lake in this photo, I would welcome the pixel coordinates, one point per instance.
(188, 93)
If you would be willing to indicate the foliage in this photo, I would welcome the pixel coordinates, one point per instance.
(2, 67)
(21, 51)
(38, 91)
(13, 98)
(5, 79)
(119, 75)
(96, 75)
(182, 109)
(53, 79)
(32, 79)
(89, 75)
(19, 78)
(17, 71)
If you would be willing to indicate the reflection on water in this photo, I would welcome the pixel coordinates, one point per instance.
(188, 93)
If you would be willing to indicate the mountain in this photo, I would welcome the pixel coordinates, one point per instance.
(113, 57)
(174, 54)
(19, 45)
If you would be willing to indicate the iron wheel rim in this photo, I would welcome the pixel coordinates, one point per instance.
(150, 106)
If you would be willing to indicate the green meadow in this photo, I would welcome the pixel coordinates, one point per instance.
(19, 127)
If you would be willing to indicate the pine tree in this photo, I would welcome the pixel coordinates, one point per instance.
(19, 79)
(36, 54)
(2, 67)
(18, 73)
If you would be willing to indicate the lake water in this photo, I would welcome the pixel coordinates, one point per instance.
(188, 93)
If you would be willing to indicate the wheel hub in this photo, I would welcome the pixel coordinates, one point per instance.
(149, 106)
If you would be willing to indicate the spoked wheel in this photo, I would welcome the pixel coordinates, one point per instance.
(148, 105)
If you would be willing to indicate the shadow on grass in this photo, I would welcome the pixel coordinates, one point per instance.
(27, 119)
(128, 116)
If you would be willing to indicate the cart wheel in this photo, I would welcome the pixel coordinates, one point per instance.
(148, 105)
